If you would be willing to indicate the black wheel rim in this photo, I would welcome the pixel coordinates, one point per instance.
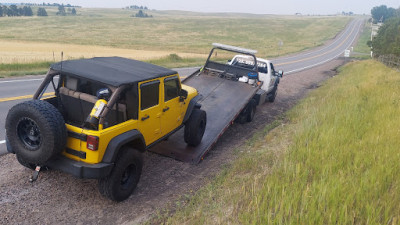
(128, 177)
(29, 133)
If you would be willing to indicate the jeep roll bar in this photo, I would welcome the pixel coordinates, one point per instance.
(51, 73)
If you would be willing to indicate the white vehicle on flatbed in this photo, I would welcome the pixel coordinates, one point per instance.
(266, 74)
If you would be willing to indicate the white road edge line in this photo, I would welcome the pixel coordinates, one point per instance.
(317, 64)
(2, 142)
(339, 38)
(14, 81)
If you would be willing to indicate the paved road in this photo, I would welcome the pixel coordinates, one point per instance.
(15, 90)
(314, 57)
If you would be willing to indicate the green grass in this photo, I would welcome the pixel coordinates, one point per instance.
(19, 69)
(334, 161)
(362, 50)
(39, 68)
(175, 61)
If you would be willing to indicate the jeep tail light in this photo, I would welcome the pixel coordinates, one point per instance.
(92, 142)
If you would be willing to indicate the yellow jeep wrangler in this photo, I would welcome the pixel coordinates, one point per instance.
(105, 112)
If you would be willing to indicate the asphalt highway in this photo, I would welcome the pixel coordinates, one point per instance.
(15, 90)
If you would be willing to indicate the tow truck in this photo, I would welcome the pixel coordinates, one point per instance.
(231, 90)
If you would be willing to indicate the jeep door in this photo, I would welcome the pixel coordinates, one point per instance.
(172, 112)
(150, 110)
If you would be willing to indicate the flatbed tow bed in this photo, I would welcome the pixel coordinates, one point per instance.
(223, 100)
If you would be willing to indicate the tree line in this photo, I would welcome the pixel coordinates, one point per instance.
(137, 7)
(63, 12)
(387, 41)
(52, 4)
(142, 14)
(382, 13)
(13, 11)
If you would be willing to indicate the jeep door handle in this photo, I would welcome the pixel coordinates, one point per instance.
(145, 117)
(165, 109)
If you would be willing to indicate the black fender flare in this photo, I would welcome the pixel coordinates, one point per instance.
(192, 104)
(125, 138)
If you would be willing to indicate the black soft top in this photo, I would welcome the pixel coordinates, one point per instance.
(115, 71)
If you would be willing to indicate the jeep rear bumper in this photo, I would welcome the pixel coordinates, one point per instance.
(80, 169)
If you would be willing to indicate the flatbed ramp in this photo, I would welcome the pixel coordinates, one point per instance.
(223, 100)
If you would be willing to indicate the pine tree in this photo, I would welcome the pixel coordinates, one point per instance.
(61, 10)
(41, 12)
(27, 11)
(12, 11)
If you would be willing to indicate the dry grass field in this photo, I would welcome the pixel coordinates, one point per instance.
(29, 52)
(113, 32)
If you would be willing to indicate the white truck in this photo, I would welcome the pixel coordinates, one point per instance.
(266, 74)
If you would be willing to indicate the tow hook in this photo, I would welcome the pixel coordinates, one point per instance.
(35, 174)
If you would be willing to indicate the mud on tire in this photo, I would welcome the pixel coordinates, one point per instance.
(124, 177)
(195, 127)
(35, 131)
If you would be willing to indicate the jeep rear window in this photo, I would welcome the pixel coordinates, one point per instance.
(149, 94)
(171, 88)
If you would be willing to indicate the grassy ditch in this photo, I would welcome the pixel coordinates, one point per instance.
(18, 69)
(362, 50)
(176, 61)
(335, 160)
(37, 68)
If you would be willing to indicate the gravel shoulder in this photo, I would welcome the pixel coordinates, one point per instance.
(58, 198)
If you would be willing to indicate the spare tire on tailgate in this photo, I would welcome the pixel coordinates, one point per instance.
(35, 131)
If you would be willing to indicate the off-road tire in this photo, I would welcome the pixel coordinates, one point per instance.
(25, 164)
(31, 166)
(271, 97)
(124, 177)
(35, 131)
(195, 127)
(251, 110)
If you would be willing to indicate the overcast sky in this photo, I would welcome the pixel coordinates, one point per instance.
(246, 6)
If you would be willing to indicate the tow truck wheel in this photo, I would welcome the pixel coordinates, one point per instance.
(124, 177)
(251, 110)
(195, 127)
(272, 95)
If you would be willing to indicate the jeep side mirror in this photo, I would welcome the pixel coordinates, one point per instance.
(280, 73)
(182, 95)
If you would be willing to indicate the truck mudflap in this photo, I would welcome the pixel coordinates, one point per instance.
(223, 100)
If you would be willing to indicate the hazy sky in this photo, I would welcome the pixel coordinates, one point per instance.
(246, 6)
